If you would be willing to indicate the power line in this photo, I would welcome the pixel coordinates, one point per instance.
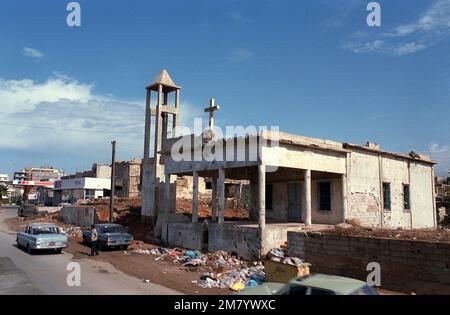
(104, 131)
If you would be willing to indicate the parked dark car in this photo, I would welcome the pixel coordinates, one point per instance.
(27, 211)
(109, 236)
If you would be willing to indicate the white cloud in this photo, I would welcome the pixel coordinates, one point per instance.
(24, 95)
(32, 52)
(240, 55)
(238, 17)
(63, 116)
(430, 28)
(408, 48)
(441, 154)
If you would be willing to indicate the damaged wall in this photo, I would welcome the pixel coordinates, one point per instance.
(184, 187)
(366, 173)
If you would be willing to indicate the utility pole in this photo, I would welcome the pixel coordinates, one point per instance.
(113, 182)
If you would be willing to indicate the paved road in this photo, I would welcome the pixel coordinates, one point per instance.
(46, 273)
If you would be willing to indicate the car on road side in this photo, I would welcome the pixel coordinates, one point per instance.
(27, 210)
(317, 284)
(110, 235)
(42, 236)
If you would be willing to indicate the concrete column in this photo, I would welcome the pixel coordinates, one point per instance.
(165, 122)
(221, 195)
(253, 207)
(307, 197)
(344, 197)
(195, 197)
(158, 131)
(433, 199)
(175, 116)
(148, 119)
(167, 204)
(262, 206)
(167, 209)
(146, 195)
(214, 198)
(162, 219)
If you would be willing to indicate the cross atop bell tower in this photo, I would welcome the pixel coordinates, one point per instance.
(164, 87)
(211, 109)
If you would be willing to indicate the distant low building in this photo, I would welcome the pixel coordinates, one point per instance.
(72, 190)
(442, 185)
(128, 178)
(98, 170)
(4, 178)
(44, 173)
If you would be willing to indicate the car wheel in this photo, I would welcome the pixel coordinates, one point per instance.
(59, 250)
(100, 246)
(125, 247)
(29, 249)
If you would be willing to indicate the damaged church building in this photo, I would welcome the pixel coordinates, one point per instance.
(296, 183)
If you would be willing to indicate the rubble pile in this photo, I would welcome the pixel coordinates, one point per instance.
(73, 231)
(279, 255)
(219, 269)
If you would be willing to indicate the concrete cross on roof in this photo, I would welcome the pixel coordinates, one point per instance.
(211, 109)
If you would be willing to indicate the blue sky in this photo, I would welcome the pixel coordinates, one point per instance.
(311, 67)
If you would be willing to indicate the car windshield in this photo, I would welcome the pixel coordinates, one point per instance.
(113, 229)
(45, 230)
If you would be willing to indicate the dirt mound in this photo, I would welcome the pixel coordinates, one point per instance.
(184, 206)
(440, 235)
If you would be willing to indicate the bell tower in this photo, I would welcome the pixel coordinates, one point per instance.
(152, 168)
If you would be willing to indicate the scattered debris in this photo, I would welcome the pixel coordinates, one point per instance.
(431, 235)
(219, 269)
(279, 255)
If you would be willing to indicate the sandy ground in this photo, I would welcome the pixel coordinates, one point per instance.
(439, 235)
(46, 272)
(143, 267)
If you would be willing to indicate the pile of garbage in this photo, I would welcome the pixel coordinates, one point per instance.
(219, 269)
(227, 271)
(73, 231)
(279, 255)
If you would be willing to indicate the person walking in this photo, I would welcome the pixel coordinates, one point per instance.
(94, 241)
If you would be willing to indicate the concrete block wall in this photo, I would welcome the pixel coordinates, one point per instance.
(231, 238)
(410, 266)
(79, 215)
(185, 235)
(234, 239)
